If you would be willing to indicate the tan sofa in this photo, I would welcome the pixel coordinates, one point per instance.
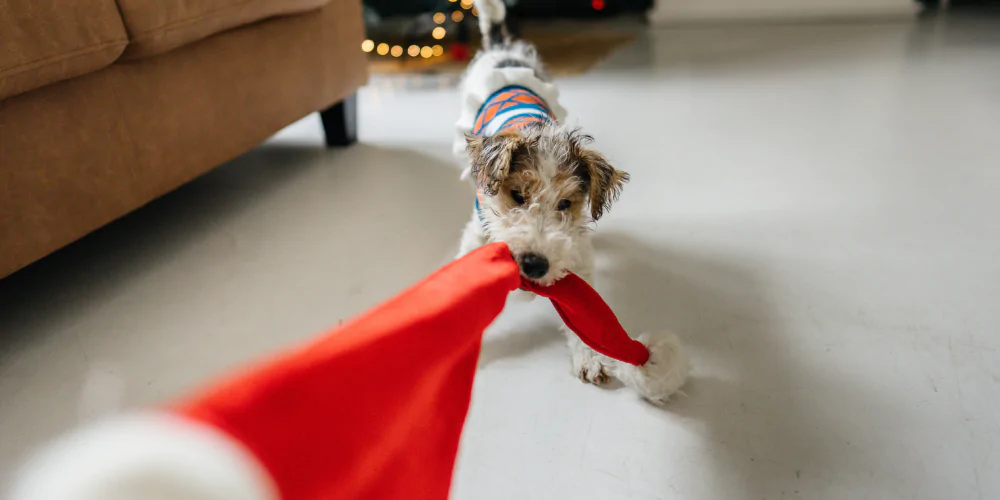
(108, 104)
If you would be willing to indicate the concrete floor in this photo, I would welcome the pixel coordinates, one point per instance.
(814, 209)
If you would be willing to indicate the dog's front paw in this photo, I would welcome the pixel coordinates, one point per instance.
(587, 366)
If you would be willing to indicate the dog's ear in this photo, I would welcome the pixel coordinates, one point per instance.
(493, 157)
(604, 182)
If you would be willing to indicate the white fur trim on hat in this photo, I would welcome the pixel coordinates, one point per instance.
(664, 372)
(144, 456)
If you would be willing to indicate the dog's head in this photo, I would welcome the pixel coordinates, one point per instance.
(541, 187)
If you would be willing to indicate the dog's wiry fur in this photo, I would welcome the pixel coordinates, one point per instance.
(542, 186)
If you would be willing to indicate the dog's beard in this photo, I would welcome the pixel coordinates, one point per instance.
(533, 230)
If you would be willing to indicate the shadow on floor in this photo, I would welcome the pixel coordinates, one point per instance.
(398, 186)
(518, 342)
(754, 402)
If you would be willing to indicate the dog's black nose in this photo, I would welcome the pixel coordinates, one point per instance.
(534, 266)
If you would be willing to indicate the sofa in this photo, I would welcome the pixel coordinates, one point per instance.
(106, 105)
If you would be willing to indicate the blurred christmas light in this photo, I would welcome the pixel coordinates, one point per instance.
(396, 51)
(457, 16)
(413, 51)
(383, 49)
(426, 52)
(597, 4)
(438, 33)
(439, 17)
(367, 45)
(466, 4)
(437, 50)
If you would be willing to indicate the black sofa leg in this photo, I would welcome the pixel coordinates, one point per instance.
(340, 122)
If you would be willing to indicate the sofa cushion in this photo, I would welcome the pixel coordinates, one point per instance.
(42, 42)
(157, 26)
(83, 152)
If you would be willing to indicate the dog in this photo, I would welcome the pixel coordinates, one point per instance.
(540, 187)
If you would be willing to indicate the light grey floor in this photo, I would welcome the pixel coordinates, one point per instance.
(814, 209)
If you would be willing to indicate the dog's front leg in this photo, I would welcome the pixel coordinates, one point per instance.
(588, 364)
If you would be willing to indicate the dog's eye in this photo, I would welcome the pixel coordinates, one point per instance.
(517, 196)
(563, 205)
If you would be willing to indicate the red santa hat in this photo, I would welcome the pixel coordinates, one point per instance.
(372, 410)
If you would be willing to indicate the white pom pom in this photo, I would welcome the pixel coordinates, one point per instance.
(664, 373)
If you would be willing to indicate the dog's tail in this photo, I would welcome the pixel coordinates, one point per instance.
(492, 23)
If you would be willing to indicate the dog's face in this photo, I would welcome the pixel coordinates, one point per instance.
(541, 188)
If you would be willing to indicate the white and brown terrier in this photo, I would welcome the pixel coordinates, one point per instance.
(539, 187)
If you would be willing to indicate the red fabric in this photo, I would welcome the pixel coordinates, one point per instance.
(459, 52)
(585, 312)
(374, 409)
